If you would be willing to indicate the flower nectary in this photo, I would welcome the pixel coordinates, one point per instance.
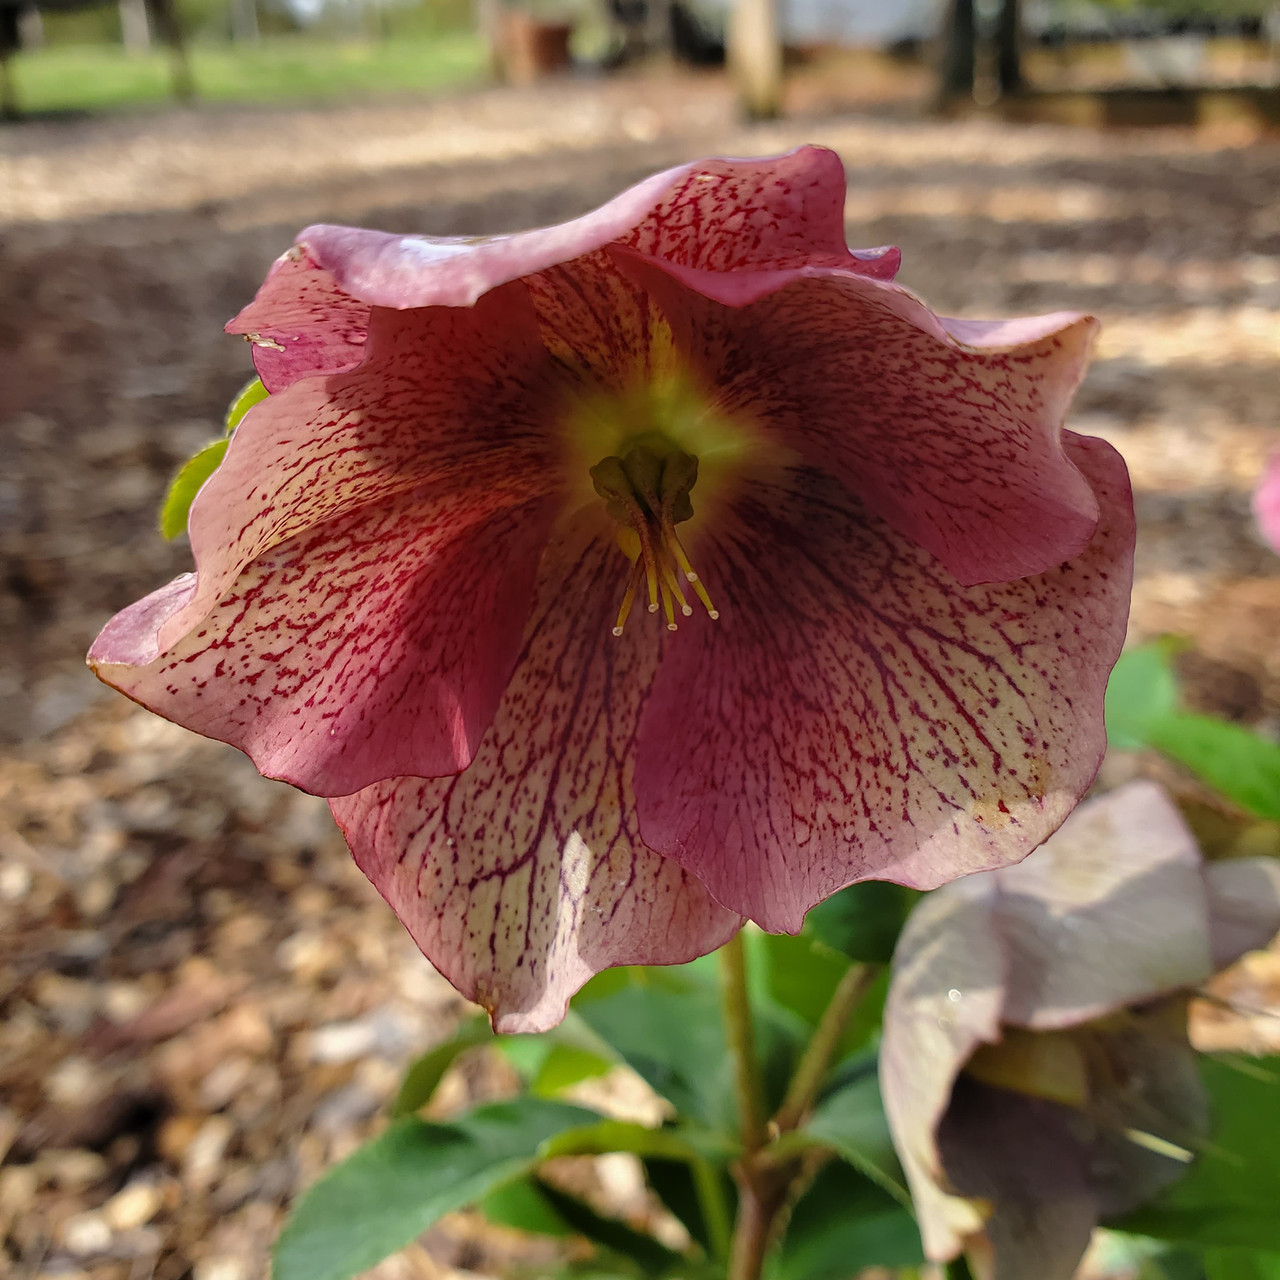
(478, 455)
(648, 492)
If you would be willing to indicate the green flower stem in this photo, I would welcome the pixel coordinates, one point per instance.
(817, 1056)
(715, 1211)
(958, 1269)
(741, 1034)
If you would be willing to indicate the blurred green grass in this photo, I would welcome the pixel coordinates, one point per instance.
(88, 77)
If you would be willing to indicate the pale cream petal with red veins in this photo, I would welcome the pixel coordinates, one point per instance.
(951, 944)
(302, 323)
(958, 445)
(457, 398)
(722, 214)
(1110, 911)
(856, 713)
(523, 876)
(374, 645)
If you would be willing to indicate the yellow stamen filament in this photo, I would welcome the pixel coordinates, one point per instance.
(648, 493)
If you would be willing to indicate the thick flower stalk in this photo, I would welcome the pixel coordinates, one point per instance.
(1035, 1064)
(624, 578)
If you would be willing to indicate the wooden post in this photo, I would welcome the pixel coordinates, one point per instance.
(135, 30)
(1009, 47)
(244, 20)
(754, 49)
(958, 52)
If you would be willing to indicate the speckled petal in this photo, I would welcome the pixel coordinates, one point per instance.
(721, 215)
(458, 399)
(374, 645)
(524, 875)
(858, 714)
(301, 323)
(949, 430)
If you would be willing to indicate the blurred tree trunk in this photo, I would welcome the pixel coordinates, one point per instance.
(754, 52)
(135, 30)
(244, 20)
(958, 52)
(1009, 47)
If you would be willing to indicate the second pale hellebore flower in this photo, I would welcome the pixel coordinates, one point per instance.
(1035, 1065)
(627, 577)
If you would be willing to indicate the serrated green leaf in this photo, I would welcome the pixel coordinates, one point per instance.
(1142, 691)
(851, 1121)
(1231, 1195)
(650, 1255)
(1234, 760)
(253, 392)
(671, 1143)
(843, 1224)
(423, 1075)
(521, 1204)
(864, 920)
(393, 1188)
(1241, 1264)
(185, 485)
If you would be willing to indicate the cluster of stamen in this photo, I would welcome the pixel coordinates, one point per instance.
(647, 493)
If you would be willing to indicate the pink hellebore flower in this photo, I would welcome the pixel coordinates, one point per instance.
(877, 590)
(1035, 1064)
(1266, 504)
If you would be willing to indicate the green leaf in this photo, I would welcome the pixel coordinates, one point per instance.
(864, 920)
(250, 394)
(1241, 1264)
(843, 1224)
(1143, 710)
(425, 1074)
(653, 1257)
(522, 1205)
(671, 1142)
(852, 1122)
(1230, 1196)
(1234, 760)
(395, 1187)
(676, 1184)
(565, 1066)
(675, 1041)
(184, 487)
(1142, 691)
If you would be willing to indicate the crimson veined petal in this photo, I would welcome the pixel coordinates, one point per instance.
(857, 713)
(459, 399)
(524, 875)
(371, 646)
(301, 323)
(723, 215)
(949, 430)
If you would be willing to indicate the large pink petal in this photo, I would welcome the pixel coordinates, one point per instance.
(523, 876)
(949, 430)
(858, 714)
(372, 646)
(459, 399)
(1110, 911)
(301, 323)
(719, 214)
(1266, 504)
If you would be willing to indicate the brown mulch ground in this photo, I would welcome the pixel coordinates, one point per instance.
(204, 1003)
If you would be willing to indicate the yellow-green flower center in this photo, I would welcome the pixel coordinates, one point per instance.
(647, 491)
